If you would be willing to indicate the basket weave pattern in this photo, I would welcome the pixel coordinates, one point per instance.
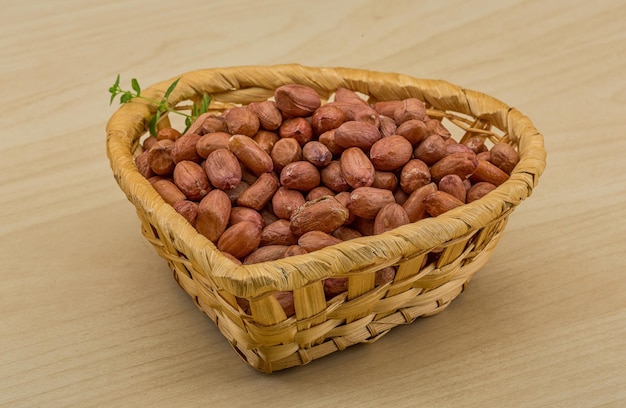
(455, 244)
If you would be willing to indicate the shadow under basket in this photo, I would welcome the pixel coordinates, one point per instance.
(435, 258)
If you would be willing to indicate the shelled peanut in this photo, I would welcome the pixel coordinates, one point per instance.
(292, 174)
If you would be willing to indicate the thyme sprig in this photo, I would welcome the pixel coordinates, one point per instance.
(163, 106)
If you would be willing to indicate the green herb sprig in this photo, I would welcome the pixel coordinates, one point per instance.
(163, 105)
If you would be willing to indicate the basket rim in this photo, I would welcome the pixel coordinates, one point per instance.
(255, 82)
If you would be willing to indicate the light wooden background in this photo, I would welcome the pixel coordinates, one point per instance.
(91, 317)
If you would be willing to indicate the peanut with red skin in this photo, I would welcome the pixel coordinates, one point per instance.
(415, 204)
(479, 190)
(332, 177)
(213, 215)
(300, 175)
(241, 121)
(266, 140)
(390, 153)
(356, 134)
(167, 190)
(240, 214)
(260, 193)
(160, 158)
(411, 108)
(265, 253)
(325, 214)
(286, 201)
(250, 154)
(188, 209)
(317, 153)
(356, 168)
(278, 233)
(298, 129)
(297, 100)
(210, 142)
(504, 156)
(413, 130)
(325, 118)
(168, 133)
(440, 202)
(223, 169)
(488, 172)
(365, 202)
(285, 151)
(431, 150)
(184, 148)
(391, 216)
(453, 185)
(315, 240)
(191, 179)
(414, 175)
(463, 164)
(240, 239)
(268, 113)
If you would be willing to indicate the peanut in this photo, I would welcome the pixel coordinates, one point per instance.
(223, 169)
(314, 240)
(297, 100)
(278, 233)
(188, 209)
(160, 158)
(241, 121)
(391, 216)
(260, 192)
(390, 153)
(184, 148)
(325, 118)
(269, 115)
(191, 179)
(479, 190)
(167, 190)
(240, 239)
(414, 175)
(213, 215)
(504, 156)
(300, 175)
(210, 142)
(298, 129)
(286, 201)
(365, 202)
(325, 214)
(317, 153)
(440, 202)
(356, 134)
(250, 154)
(285, 151)
(356, 168)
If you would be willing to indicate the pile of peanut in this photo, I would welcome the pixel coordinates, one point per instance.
(291, 174)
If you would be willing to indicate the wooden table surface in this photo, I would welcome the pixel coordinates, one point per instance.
(90, 316)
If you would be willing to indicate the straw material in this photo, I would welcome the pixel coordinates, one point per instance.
(462, 239)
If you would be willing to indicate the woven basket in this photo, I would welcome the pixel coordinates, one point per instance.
(265, 338)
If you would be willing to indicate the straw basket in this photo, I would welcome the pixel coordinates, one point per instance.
(266, 338)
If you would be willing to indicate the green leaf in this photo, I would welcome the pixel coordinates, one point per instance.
(171, 89)
(116, 85)
(135, 85)
(206, 100)
(153, 123)
(126, 97)
(113, 95)
(114, 89)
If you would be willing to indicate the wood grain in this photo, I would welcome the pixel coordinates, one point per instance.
(90, 316)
